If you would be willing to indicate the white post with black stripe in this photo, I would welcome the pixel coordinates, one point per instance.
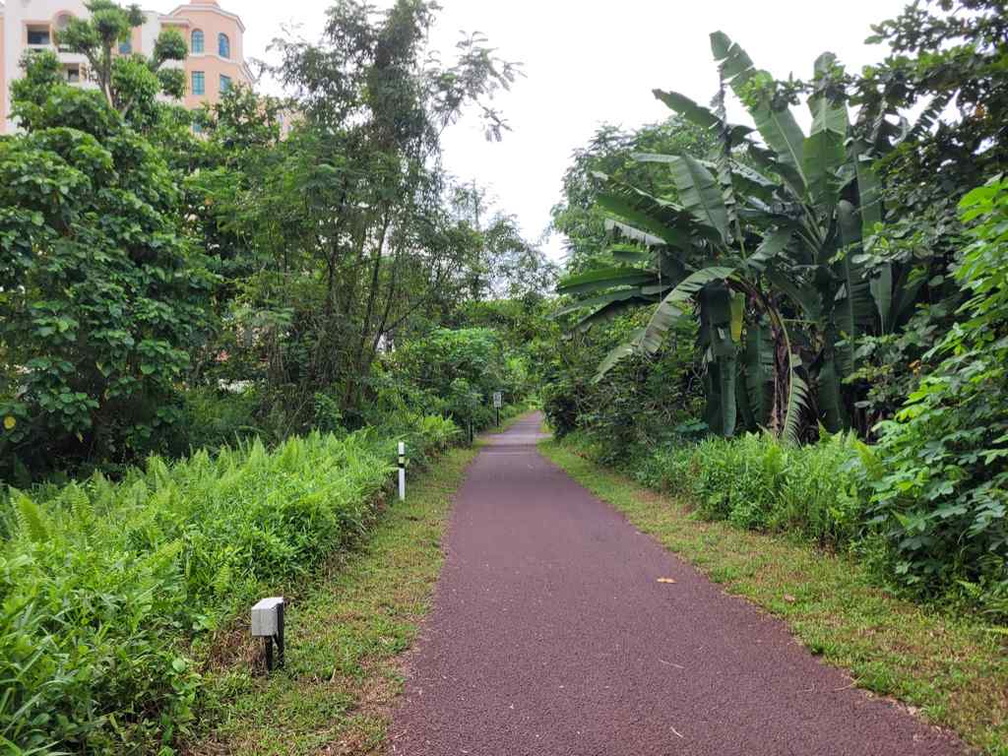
(402, 471)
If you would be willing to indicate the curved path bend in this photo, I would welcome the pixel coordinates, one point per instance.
(551, 637)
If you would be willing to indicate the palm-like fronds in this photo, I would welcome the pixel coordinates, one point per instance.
(783, 230)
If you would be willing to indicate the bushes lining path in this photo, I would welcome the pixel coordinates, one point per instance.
(114, 593)
(345, 639)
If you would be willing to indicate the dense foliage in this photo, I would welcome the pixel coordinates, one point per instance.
(943, 494)
(645, 399)
(168, 290)
(452, 372)
(103, 290)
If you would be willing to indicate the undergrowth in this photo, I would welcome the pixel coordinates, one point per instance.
(112, 592)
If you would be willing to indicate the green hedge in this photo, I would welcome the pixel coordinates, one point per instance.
(106, 586)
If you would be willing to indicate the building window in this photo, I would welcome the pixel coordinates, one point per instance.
(39, 35)
(225, 83)
(198, 83)
(73, 74)
(62, 22)
(126, 47)
(223, 46)
(197, 41)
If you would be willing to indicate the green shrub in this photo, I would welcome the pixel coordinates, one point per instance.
(328, 417)
(210, 418)
(560, 405)
(106, 585)
(453, 373)
(942, 463)
(760, 482)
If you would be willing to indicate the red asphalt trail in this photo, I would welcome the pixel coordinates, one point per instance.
(551, 637)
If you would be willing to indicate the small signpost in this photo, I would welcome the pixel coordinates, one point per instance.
(498, 402)
(268, 624)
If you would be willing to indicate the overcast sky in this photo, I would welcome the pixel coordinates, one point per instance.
(590, 62)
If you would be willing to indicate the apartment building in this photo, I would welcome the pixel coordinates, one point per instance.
(216, 59)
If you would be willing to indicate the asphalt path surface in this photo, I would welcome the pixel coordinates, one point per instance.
(552, 635)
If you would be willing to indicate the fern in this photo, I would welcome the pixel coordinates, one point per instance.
(81, 509)
(162, 556)
(31, 521)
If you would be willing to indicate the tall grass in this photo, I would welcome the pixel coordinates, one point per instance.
(757, 481)
(105, 586)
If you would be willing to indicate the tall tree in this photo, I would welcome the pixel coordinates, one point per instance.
(350, 206)
(103, 292)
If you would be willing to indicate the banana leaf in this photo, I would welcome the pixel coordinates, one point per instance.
(701, 116)
(604, 278)
(675, 304)
(823, 151)
(700, 194)
(758, 362)
(603, 299)
(777, 126)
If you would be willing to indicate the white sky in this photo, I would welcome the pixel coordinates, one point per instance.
(590, 62)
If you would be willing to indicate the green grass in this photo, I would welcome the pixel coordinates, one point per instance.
(952, 671)
(345, 637)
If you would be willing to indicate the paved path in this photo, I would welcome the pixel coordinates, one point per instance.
(551, 637)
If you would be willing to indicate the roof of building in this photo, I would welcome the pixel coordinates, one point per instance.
(208, 5)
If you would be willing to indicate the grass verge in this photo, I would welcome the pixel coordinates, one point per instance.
(345, 633)
(953, 671)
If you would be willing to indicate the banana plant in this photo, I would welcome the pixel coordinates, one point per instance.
(759, 243)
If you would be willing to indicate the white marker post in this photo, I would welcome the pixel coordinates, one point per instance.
(402, 471)
(268, 624)
(498, 402)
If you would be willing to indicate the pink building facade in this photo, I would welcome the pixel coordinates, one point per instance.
(215, 37)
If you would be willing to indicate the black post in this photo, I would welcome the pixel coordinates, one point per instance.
(280, 636)
(498, 416)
